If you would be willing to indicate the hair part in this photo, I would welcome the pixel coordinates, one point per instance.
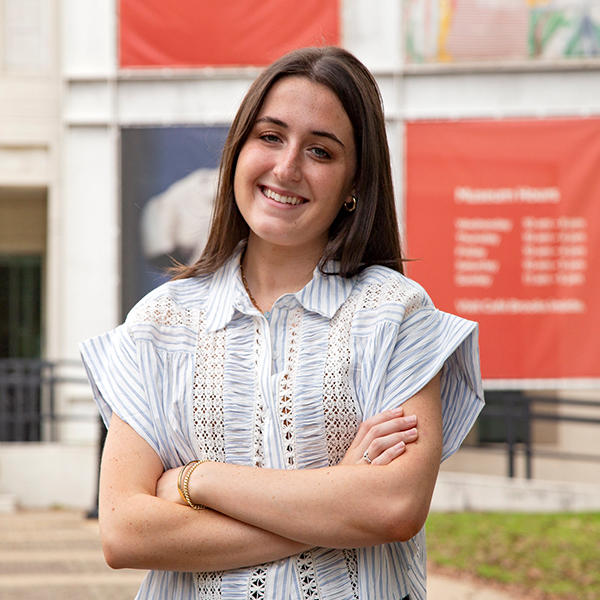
(365, 237)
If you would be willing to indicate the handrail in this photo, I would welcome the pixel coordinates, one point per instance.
(28, 393)
(516, 412)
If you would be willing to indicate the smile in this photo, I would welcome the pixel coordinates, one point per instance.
(269, 193)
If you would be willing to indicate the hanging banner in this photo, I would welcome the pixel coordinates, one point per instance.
(199, 33)
(168, 186)
(455, 31)
(503, 221)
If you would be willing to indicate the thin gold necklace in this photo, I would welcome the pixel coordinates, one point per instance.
(245, 282)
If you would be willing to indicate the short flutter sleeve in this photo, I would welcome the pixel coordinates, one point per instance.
(112, 365)
(413, 341)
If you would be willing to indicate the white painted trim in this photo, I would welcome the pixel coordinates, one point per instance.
(541, 384)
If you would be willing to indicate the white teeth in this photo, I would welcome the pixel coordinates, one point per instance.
(279, 198)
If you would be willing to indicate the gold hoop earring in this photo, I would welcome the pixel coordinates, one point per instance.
(350, 205)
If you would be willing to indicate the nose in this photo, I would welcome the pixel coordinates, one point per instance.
(287, 166)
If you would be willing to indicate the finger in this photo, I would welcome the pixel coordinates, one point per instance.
(389, 427)
(381, 444)
(410, 435)
(375, 420)
(390, 454)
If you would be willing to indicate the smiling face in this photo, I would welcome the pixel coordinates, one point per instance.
(297, 166)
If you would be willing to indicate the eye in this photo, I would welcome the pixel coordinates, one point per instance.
(270, 138)
(320, 153)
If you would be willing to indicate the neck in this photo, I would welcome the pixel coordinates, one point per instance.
(272, 271)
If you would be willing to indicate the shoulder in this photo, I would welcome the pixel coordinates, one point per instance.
(385, 291)
(175, 303)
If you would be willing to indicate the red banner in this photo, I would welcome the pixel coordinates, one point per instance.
(196, 33)
(503, 218)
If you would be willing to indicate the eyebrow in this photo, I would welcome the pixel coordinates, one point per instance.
(283, 124)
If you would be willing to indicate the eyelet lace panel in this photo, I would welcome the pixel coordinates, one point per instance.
(259, 401)
(339, 406)
(352, 564)
(207, 411)
(257, 583)
(208, 585)
(163, 311)
(207, 393)
(286, 391)
(307, 576)
(392, 291)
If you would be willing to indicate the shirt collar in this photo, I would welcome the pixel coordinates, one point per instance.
(323, 294)
(226, 293)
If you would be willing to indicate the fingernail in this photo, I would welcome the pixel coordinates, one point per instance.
(398, 409)
(411, 419)
(400, 445)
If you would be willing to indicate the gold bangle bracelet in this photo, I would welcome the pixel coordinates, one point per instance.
(180, 480)
(183, 482)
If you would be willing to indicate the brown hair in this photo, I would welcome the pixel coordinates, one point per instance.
(367, 236)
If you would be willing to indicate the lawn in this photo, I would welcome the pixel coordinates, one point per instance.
(556, 556)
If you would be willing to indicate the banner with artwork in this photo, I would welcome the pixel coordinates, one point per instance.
(503, 224)
(168, 186)
(200, 33)
(455, 31)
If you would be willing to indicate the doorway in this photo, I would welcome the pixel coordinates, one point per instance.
(22, 253)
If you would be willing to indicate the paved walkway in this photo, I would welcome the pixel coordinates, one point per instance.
(56, 555)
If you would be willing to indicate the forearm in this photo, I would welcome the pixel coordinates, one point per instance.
(340, 507)
(142, 531)
(145, 532)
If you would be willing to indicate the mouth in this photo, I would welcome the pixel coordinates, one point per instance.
(281, 198)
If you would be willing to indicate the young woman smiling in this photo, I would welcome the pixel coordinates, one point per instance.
(263, 406)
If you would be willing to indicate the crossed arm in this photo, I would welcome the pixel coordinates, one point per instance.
(260, 515)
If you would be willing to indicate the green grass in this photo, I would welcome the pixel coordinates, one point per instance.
(555, 555)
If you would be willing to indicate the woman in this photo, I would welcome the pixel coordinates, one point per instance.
(262, 359)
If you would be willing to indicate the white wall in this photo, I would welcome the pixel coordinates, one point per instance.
(44, 475)
(88, 33)
(517, 93)
(70, 141)
(29, 99)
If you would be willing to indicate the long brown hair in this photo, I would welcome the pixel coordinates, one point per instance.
(367, 236)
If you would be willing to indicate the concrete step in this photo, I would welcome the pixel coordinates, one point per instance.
(467, 491)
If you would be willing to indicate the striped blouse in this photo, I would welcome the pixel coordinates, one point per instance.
(198, 372)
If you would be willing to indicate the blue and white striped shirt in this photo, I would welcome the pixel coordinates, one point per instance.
(198, 372)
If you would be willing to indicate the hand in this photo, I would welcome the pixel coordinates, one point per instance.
(166, 486)
(383, 437)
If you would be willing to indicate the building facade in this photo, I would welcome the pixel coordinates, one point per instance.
(70, 104)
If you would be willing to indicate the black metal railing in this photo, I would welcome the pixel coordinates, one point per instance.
(513, 415)
(28, 394)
